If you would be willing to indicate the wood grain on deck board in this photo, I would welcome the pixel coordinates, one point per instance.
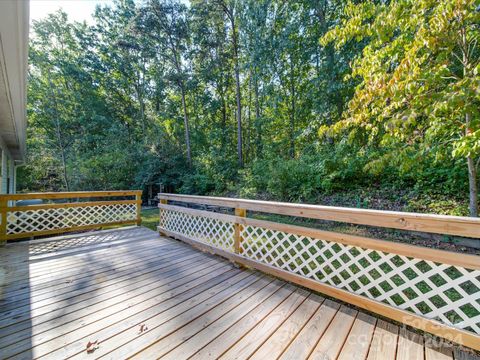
(141, 295)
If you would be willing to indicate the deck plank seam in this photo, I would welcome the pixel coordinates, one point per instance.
(300, 329)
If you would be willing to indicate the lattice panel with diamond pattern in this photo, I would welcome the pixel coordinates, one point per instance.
(30, 221)
(450, 294)
(207, 230)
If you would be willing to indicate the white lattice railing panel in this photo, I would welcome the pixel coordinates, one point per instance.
(30, 221)
(213, 232)
(450, 294)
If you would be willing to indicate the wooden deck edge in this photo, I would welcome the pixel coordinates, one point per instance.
(446, 332)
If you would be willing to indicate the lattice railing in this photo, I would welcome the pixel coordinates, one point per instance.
(442, 292)
(392, 279)
(59, 216)
(206, 230)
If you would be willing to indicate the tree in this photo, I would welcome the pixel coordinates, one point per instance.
(230, 9)
(419, 76)
(52, 101)
(166, 23)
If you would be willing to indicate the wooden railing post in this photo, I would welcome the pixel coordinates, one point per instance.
(138, 198)
(238, 230)
(3, 219)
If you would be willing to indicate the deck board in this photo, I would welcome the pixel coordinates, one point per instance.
(145, 296)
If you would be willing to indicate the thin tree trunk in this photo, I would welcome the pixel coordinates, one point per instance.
(472, 177)
(248, 149)
(473, 189)
(186, 125)
(177, 62)
(231, 16)
(292, 114)
(239, 109)
(224, 122)
(472, 170)
(62, 155)
(60, 138)
(64, 167)
(258, 122)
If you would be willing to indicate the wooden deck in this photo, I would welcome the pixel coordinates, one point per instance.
(132, 293)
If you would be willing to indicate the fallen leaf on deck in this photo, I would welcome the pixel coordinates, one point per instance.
(92, 346)
(143, 328)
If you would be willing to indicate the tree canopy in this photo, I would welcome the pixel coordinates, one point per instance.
(290, 100)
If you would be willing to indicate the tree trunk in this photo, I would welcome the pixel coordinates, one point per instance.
(58, 133)
(472, 177)
(248, 149)
(473, 189)
(64, 167)
(186, 125)
(237, 89)
(258, 123)
(62, 151)
(472, 170)
(292, 113)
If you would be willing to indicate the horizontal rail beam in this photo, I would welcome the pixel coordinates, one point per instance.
(68, 195)
(438, 224)
(69, 205)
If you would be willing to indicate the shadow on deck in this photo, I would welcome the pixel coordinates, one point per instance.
(132, 293)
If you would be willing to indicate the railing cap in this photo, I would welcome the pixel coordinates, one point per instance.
(69, 194)
(431, 223)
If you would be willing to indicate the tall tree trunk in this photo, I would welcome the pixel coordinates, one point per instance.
(62, 155)
(224, 122)
(472, 177)
(58, 134)
(230, 14)
(472, 185)
(186, 125)
(177, 62)
(472, 170)
(292, 112)
(258, 121)
(239, 112)
(248, 149)
(65, 174)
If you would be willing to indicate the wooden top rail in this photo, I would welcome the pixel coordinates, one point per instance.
(72, 194)
(439, 224)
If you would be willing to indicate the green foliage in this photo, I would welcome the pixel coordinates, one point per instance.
(337, 97)
(419, 78)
